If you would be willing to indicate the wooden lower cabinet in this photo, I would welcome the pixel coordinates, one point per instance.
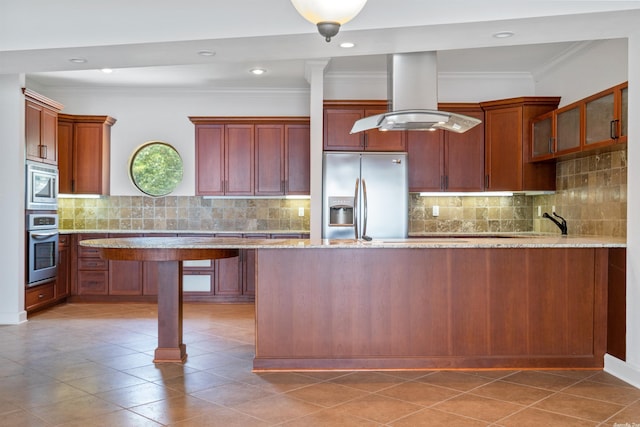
(223, 280)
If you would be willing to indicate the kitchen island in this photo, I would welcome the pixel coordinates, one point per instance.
(427, 303)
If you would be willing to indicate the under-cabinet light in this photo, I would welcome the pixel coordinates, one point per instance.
(78, 196)
(472, 194)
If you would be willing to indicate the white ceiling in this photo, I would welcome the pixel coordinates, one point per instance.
(155, 43)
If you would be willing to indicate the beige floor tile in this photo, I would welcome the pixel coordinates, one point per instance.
(123, 418)
(326, 394)
(74, 409)
(280, 382)
(579, 407)
(536, 418)
(419, 393)
(106, 382)
(629, 415)
(330, 418)
(623, 395)
(477, 407)
(232, 394)
(222, 417)
(277, 409)
(194, 382)
(432, 417)
(378, 408)
(456, 380)
(540, 379)
(509, 392)
(140, 394)
(173, 410)
(368, 381)
(22, 419)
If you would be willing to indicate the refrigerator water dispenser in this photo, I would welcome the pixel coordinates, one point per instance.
(340, 211)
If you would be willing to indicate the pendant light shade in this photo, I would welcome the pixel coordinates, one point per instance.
(328, 15)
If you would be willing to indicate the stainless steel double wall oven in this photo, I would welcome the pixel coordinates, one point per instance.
(41, 221)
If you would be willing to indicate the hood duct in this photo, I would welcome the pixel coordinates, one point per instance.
(413, 98)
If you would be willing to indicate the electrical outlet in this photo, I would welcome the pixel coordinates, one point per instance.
(300, 211)
(435, 211)
(539, 210)
(553, 209)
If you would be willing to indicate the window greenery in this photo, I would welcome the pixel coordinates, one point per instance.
(156, 168)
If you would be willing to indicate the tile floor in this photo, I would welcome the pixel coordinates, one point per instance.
(90, 365)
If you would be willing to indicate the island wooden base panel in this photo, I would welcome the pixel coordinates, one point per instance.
(431, 308)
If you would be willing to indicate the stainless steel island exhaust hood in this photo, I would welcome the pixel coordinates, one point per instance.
(413, 98)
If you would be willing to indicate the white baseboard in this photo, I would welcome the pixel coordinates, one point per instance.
(622, 370)
(13, 318)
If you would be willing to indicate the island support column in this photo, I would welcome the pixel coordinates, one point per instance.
(170, 345)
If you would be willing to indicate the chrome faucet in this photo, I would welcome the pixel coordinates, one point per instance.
(561, 225)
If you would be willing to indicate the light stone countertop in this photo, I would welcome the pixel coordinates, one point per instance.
(436, 241)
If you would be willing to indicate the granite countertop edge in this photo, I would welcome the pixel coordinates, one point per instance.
(445, 241)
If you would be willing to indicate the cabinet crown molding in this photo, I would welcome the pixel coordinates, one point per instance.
(35, 96)
(220, 120)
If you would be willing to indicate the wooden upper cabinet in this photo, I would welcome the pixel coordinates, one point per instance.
(85, 152)
(298, 159)
(464, 153)
(244, 156)
(605, 118)
(239, 159)
(210, 160)
(507, 145)
(339, 117)
(337, 125)
(376, 140)
(448, 161)
(41, 128)
(426, 160)
(269, 160)
(596, 122)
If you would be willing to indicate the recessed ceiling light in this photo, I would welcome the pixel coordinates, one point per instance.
(206, 53)
(347, 45)
(106, 70)
(503, 34)
(257, 71)
(77, 60)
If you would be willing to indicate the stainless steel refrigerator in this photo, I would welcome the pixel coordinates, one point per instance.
(365, 195)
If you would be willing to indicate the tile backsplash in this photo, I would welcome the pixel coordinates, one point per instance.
(591, 193)
(189, 213)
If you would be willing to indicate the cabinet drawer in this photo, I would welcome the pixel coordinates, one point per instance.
(93, 282)
(64, 239)
(39, 294)
(92, 264)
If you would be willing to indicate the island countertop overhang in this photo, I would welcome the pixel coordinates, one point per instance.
(435, 241)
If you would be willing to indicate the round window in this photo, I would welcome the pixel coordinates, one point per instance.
(156, 168)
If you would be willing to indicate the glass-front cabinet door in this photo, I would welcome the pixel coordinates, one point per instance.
(600, 119)
(624, 103)
(542, 146)
(567, 135)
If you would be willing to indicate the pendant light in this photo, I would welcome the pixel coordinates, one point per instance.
(328, 15)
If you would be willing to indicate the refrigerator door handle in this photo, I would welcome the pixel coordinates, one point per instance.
(355, 208)
(365, 209)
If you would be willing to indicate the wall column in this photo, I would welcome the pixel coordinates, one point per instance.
(629, 371)
(12, 200)
(314, 73)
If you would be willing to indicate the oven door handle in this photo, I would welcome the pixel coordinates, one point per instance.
(40, 236)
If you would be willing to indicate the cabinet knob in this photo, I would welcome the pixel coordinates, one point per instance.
(40, 296)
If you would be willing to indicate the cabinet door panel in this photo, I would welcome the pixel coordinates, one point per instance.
(599, 114)
(88, 153)
(543, 137)
(425, 159)
(269, 159)
(568, 130)
(239, 159)
(125, 278)
(376, 140)
(228, 276)
(50, 136)
(92, 282)
(464, 157)
(337, 125)
(65, 157)
(209, 160)
(504, 149)
(33, 114)
(298, 163)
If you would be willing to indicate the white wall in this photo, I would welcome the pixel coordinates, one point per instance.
(598, 66)
(162, 114)
(12, 172)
